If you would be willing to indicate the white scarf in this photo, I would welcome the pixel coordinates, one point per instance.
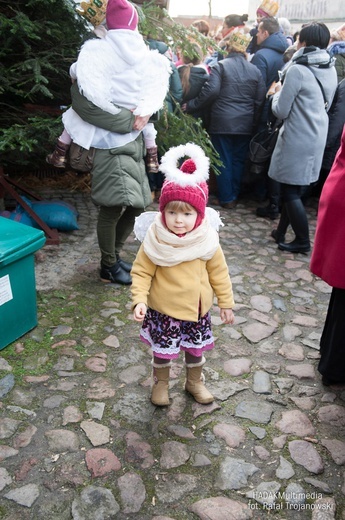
(167, 249)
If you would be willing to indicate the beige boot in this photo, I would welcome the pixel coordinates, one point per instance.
(195, 383)
(160, 384)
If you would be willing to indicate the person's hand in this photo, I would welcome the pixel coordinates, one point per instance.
(184, 107)
(140, 122)
(139, 311)
(227, 316)
(278, 87)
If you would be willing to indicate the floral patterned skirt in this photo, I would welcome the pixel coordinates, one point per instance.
(167, 336)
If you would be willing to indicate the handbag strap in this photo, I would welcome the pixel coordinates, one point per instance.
(322, 90)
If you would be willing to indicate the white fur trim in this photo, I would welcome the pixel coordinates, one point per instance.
(193, 365)
(161, 365)
(169, 165)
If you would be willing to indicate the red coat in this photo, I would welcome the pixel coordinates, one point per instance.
(328, 257)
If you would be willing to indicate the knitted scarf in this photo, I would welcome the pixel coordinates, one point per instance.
(167, 249)
(310, 56)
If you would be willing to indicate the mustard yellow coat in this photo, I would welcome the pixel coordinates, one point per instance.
(177, 290)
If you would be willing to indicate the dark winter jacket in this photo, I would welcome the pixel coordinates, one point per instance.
(198, 76)
(337, 49)
(234, 94)
(336, 117)
(269, 58)
(253, 45)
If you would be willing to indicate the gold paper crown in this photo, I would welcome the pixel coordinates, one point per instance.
(93, 11)
(270, 7)
(238, 41)
(339, 33)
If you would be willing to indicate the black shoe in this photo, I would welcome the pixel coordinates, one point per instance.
(271, 211)
(115, 274)
(126, 266)
(229, 205)
(296, 246)
(277, 238)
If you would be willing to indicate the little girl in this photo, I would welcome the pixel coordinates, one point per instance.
(178, 268)
(116, 70)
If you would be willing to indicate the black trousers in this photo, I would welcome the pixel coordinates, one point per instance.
(332, 344)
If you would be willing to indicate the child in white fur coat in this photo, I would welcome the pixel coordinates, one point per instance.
(115, 71)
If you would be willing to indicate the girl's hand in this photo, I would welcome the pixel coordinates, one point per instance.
(139, 311)
(227, 316)
(140, 122)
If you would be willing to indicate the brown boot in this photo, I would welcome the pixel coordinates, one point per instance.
(59, 156)
(160, 384)
(195, 383)
(152, 165)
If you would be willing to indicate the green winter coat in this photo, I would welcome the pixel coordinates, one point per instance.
(118, 175)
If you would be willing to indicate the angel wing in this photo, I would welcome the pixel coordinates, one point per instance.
(214, 218)
(142, 224)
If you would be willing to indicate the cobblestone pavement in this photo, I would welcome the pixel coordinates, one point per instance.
(81, 440)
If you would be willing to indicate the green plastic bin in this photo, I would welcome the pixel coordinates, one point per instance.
(18, 304)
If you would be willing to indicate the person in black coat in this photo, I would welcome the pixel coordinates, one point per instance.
(336, 124)
(193, 74)
(234, 95)
(269, 59)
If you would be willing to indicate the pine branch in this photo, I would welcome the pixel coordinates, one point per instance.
(175, 128)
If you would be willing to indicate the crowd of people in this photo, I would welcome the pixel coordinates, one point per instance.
(251, 74)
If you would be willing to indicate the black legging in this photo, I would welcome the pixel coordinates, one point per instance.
(289, 193)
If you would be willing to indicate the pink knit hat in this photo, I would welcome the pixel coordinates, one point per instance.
(187, 183)
(121, 14)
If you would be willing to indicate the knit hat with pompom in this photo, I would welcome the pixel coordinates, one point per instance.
(121, 14)
(186, 183)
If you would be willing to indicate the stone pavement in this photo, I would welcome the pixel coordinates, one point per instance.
(80, 439)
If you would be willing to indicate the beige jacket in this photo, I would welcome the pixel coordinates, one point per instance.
(177, 290)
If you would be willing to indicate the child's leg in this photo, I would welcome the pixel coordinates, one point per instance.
(149, 133)
(160, 381)
(157, 330)
(65, 138)
(59, 156)
(195, 379)
(194, 358)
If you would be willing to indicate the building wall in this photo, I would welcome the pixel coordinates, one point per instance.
(307, 10)
(215, 22)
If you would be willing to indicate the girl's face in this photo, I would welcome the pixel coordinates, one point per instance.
(225, 30)
(180, 222)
